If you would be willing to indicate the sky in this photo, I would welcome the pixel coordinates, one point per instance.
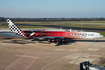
(52, 8)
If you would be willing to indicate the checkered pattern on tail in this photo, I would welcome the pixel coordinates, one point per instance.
(14, 28)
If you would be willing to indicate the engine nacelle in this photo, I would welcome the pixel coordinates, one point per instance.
(32, 35)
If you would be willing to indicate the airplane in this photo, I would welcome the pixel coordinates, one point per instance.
(54, 36)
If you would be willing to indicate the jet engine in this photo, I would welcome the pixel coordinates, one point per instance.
(32, 35)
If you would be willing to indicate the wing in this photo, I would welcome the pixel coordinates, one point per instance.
(54, 38)
(48, 37)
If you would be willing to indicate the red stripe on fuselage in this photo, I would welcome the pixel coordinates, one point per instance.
(24, 33)
(57, 33)
(71, 35)
(50, 33)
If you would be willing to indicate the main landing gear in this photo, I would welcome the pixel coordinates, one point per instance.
(57, 40)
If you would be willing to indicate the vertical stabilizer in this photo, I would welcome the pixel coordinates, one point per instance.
(14, 28)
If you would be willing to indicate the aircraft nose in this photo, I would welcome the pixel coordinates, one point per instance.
(102, 36)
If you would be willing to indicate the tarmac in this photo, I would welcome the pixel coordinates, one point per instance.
(18, 53)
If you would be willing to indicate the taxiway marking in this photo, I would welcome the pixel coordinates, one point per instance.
(14, 62)
(50, 63)
(33, 61)
(23, 63)
(80, 55)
